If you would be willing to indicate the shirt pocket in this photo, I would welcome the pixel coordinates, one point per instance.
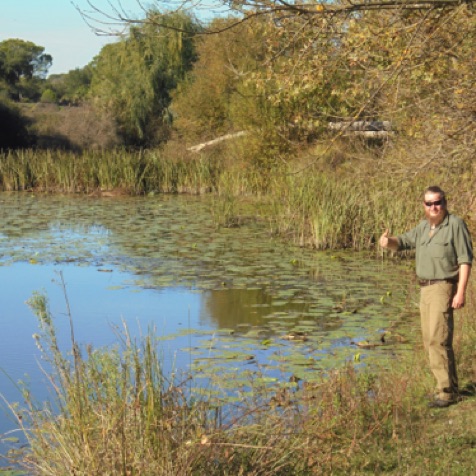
(439, 249)
(442, 250)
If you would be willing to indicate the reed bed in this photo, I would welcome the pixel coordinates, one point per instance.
(116, 171)
(321, 211)
(317, 207)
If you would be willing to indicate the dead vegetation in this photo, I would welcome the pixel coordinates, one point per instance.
(70, 127)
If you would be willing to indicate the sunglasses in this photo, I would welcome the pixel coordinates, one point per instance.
(437, 203)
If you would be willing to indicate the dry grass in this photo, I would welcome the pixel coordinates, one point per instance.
(70, 127)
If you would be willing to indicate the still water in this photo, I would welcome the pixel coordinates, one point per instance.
(224, 301)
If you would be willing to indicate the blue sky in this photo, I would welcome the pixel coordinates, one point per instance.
(58, 27)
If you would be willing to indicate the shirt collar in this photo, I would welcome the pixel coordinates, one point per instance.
(444, 222)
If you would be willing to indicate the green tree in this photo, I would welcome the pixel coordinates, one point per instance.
(22, 64)
(72, 87)
(48, 96)
(134, 77)
(213, 98)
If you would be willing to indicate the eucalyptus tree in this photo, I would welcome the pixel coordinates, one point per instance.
(134, 76)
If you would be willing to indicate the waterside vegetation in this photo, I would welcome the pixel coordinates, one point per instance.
(311, 202)
(115, 412)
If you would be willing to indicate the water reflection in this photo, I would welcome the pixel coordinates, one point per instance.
(225, 308)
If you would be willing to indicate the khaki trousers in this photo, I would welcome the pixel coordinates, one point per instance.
(437, 329)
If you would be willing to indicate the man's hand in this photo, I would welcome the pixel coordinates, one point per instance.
(458, 301)
(384, 239)
(387, 241)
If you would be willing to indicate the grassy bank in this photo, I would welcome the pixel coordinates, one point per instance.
(117, 413)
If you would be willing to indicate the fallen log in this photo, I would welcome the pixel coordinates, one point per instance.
(370, 134)
(355, 126)
(199, 147)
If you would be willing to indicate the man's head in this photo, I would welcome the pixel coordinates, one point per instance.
(434, 202)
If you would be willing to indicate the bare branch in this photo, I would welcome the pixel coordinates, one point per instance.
(104, 21)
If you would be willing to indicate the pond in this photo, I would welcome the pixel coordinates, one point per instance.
(229, 303)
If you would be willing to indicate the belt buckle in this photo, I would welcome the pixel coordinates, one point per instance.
(428, 282)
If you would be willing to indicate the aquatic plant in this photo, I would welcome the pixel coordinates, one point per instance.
(97, 172)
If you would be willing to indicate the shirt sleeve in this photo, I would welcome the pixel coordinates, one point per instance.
(463, 243)
(408, 240)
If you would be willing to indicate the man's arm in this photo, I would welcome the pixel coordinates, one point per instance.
(390, 242)
(464, 273)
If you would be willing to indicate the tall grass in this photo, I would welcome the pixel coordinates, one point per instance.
(120, 171)
(114, 412)
(324, 211)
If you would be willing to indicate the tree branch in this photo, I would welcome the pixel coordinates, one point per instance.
(245, 10)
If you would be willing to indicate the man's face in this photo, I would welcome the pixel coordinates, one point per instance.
(435, 212)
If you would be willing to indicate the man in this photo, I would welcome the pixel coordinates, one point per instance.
(444, 256)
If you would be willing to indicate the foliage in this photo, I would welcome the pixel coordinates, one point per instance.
(218, 97)
(407, 63)
(72, 87)
(397, 66)
(133, 77)
(368, 66)
(48, 96)
(20, 63)
(212, 100)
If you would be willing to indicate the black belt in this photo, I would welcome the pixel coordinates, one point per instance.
(429, 282)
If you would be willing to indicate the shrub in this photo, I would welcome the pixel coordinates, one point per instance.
(48, 96)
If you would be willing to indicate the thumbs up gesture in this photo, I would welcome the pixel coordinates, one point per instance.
(384, 239)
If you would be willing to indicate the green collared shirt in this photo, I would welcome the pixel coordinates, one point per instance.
(439, 256)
